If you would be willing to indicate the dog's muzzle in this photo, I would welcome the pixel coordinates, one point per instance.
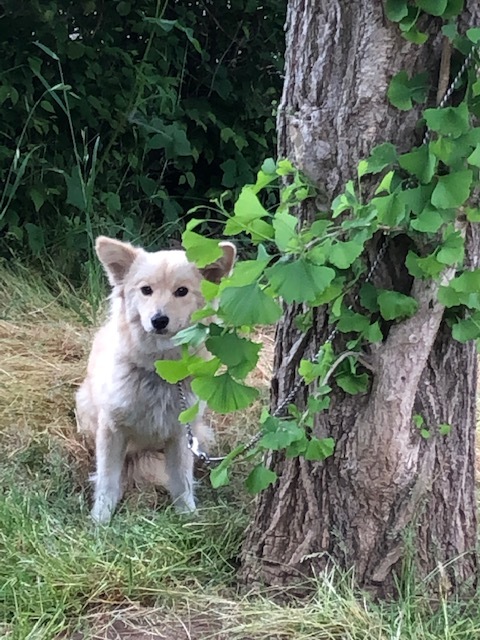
(159, 322)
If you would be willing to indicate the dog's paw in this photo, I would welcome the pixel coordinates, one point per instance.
(102, 510)
(185, 506)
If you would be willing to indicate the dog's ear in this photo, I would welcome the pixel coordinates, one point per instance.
(214, 272)
(117, 257)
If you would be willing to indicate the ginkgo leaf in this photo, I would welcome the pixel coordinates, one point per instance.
(259, 479)
(248, 306)
(224, 394)
(344, 254)
(299, 280)
(239, 354)
(395, 305)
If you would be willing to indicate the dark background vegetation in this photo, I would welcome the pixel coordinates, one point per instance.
(152, 108)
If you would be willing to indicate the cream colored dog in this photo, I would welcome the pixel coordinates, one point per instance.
(123, 402)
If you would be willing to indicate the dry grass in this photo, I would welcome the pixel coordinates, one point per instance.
(44, 350)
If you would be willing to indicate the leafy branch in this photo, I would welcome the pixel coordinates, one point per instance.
(422, 194)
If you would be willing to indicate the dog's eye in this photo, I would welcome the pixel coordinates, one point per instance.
(147, 291)
(180, 292)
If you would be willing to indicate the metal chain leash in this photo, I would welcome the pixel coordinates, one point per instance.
(192, 440)
(448, 93)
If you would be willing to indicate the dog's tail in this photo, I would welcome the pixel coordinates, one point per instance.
(145, 467)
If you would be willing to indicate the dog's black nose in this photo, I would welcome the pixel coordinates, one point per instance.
(159, 321)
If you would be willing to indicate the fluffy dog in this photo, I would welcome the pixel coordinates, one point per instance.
(122, 402)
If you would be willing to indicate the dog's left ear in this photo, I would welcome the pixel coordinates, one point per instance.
(214, 272)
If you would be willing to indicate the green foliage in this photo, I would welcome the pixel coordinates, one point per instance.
(394, 305)
(418, 194)
(118, 117)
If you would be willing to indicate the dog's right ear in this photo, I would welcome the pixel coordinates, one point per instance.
(116, 257)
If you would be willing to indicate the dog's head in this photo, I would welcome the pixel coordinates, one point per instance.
(161, 290)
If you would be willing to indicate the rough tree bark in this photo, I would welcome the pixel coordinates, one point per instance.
(385, 484)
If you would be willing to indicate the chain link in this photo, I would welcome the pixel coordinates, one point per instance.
(453, 84)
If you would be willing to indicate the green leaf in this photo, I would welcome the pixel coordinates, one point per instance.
(474, 35)
(454, 8)
(36, 237)
(247, 210)
(219, 475)
(343, 254)
(395, 305)
(240, 355)
(48, 51)
(373, 333)
(245, 272)
(279, 434)
(418, 420)
(419, 86)
(425, 433)
(189, 414)
(37, 198)
(351, 321)
(386, 183)
(396, 9)
(399, 92)
(473, 215)
(420, 163)
(433, 7)
(381, 156)
(352, 383)
(76, 193)
(200, 250)
(444, 429)
(194, 336)
(414, 35)
(319, 449)
(259, 479)
(310, 371)
(467, 329)
(474, 157)
(368, 297)
(452, 250)
(402, 90)
(452, 190)
(248, 305)
(223, 394)
(429, 221)
(345, 201)
(467, 282)
(426, 267)
(285, 229)
(172, 370)
(449, 121)
(391, 209)
(299, 280)
(209, 290)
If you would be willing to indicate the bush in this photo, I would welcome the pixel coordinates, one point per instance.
(118, 117)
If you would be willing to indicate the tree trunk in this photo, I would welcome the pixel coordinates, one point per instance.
(387, 494)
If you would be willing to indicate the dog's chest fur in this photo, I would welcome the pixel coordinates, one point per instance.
(144, 405)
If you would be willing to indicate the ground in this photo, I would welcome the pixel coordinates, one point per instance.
(150, 574)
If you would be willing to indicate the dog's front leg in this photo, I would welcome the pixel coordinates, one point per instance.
(179, 465)
(110, 448)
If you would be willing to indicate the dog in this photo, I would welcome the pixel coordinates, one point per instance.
(131, 412)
